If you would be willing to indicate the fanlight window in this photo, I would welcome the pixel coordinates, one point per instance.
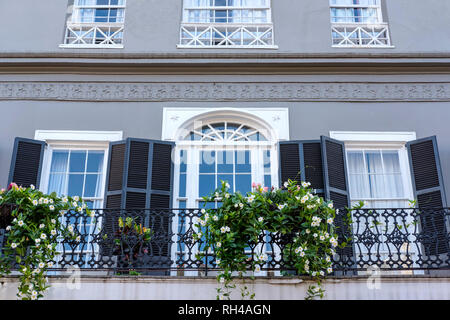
(226, 132)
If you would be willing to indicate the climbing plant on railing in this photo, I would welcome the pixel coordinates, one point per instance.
(34, 222)
(292, 210)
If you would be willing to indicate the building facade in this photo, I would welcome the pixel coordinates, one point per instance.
(150, 104)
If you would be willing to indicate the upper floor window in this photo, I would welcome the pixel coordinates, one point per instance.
(358, 23)
(96, 23)
(230, 23)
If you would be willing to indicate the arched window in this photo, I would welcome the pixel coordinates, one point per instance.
(210, 150)
(229, 23)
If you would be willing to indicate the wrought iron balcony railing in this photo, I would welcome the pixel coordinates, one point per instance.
(90, 35)
(414, 241)
(360, 35)
(234, 35)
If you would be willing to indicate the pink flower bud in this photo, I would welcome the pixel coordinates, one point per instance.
(254, 185)
(266, 189)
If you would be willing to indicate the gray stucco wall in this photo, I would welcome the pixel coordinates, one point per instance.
(308, 119)
(301, 26)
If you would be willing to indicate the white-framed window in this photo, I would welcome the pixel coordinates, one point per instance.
(237, 153)
(358, 23)
(96, 23)
(378, 168)
(227, 23)
(75, 164)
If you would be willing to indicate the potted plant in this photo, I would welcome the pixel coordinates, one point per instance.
(131, 244)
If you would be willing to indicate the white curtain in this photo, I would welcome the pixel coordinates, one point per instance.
(376, 175)
(58, 177)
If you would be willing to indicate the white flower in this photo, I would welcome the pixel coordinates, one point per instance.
(223, 229)
(227, 195)
(41, 226)
(34, 293)
(76, 198)
(217, 195)
(37, 240)
(199, 235)
(41, 200)
(217, 261)
(281, 206)
(330, 205)
(65, 200)
(327, 259)
(13, 245)
(318, 201)
(202, 222)
(32, 187)
(262, 257)
(330, 270)
(241, 205)
(218, 244)
(304, 199)
(8, 228)
(41, 265)
(20, 223)
(43, 236)
(302, 254)
(80, 209)
(313, 273)
(35, 202)
(250, 199)
(286, 184)
(330, 220)
(322, 273)
(51, 207)
(315, 235)
(310, 206)
(70, 228)
(37, 270)
(78, 239)
(222, 279)
(46, 201)
(327, 235)
(227, 185)
(49, 247)
(53, 221)
(306, 184)
(203, 211)
(308, 231)
(50, 200)
(260, 219)
(236, 205)
(53, 232)
(215, 218)
(62, 212)
(257, 268)
(322, 238)
(50, 264)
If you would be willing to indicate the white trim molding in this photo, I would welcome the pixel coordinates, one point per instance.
(275, 120)
(373, 136)
(71, 135)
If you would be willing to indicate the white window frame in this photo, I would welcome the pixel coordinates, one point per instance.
(358, 141)
(95, 27)
(75, 140)
(359, 6)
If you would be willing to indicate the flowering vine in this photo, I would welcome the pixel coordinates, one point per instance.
(241, 220)
(34, 227)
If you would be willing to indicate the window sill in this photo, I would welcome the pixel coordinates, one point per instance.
(181, 46)
(91, 46)
(363, 47)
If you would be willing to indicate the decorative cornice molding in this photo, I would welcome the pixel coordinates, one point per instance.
(225, 91)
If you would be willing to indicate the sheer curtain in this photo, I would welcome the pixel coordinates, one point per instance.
(58, 173)
(376, 176)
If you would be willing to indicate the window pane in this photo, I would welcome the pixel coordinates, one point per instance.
(57, 183)
(206, 185)
(243, 161)
(225, 162)
(95, 161)
(75, 187)
(373, 161)
(182, 192)
(391, 162)
(59, 161)
(243, 183)
(355, 162)
(207, 161)
(92, 186)
(77, 161)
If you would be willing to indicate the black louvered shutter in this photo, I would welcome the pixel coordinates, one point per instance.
(302, 161)
(429, 192)
(140, 176)
(336, 189)
(26, 162)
